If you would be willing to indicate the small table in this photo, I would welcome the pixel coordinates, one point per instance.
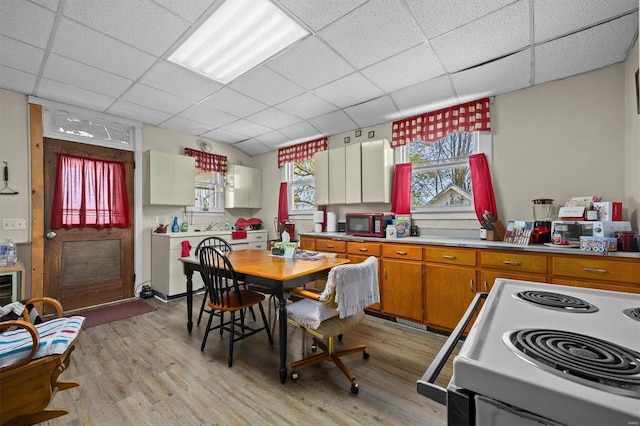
(19, 269)
(260, 267)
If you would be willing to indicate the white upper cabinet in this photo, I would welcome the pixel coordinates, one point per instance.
(337, 176)
(244, 187)
(169, 179)
(377, 171)
(353, 174)
(321, 176)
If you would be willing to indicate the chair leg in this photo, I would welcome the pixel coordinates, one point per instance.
(204, 301)
(206, 332)
(266, 324)
(232, 337)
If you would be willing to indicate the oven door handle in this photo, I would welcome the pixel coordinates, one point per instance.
(426, 385)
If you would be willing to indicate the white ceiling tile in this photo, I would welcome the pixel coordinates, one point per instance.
(191, 10)
(20, 56)
(348, 91)
(551, 21)
(437, 17)
(92, 48)
(247, 128)
(321, 64)
(497, 77)
(333, 123)
(485, 39)
(49, 4)
(374, 112)
(184, 125)
(306, 106)
(26, 21)
(273, 118)
(426, 96)
(85, 77)
(73, 95)
(140, 23)
(299, 130)
(265, 85)
(252, 147)
(367, 36)
(272, 139)
(405, 69)
(586, 50)
(320, 13)
(18, 81)
(154, 98)
(224, 136)
(207, 115)
(234, 103)
(178, 80)
(138, 112)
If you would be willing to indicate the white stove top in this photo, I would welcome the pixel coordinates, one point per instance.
(486, 365)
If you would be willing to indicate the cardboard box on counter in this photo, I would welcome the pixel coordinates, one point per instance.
(403, 225)
(609, 210)
(598, 244)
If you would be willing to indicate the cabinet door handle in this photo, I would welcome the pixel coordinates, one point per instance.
(471, 285)
(597, 271)
(403, 253)
(258, 237)
(449, 257)
(329, 245)
(485, 286)
(363, 249)
(385, 273)
(511, 262)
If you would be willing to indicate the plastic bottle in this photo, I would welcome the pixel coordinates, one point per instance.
(226, 224)
(185, 224)
(11, 253)
(285, 236)
(175, 227)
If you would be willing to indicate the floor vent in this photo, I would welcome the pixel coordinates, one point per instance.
(411, 324)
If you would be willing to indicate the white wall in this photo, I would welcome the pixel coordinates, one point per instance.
(632, 136)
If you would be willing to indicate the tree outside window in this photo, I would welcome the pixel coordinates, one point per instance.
(302, 186)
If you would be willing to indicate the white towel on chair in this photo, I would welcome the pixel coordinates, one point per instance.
(310, 313)
(356, 286)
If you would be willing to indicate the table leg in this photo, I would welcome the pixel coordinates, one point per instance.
(282, 319)
(189, 273)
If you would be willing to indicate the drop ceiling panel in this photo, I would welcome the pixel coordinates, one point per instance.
(138, 112)
(320, 13)
(333, 123)
(265, 85)
(367, 36)
(224, 136)
(437, 17)
(374, 112)
(185, 125)
(405, 69)
(272, 139)
(92, 48)
(179, 81)
(300, 130)
(68, 71)
(18, 81)
(321, 64)
(252, 147)
(156, 99)
(247, 128)
(586, 50)
(349, 90)
(190, 10)
(234, 103)
(307, 106)
(485, 39)
(20, 56)
(426, 96)
(140, 23)
(273, 118)
(550, 21)
(66, 93)
(206, 115)
(49, 4)
(497, 77)
(26, 21)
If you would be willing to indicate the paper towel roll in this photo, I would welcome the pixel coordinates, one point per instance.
(331, 222)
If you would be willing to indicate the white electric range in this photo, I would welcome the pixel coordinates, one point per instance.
(548, 354)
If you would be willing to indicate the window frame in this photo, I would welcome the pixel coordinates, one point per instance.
(482, 143)
(287, 176)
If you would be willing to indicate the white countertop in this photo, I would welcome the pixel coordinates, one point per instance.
(201, 233)
(469, 242)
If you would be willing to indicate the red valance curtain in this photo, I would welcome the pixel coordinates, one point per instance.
(431, 126)
(90, 194)
(283, 204)
(401, 189)
(300, 152)
(208, 162)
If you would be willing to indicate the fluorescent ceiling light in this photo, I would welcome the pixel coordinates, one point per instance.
(238, 36)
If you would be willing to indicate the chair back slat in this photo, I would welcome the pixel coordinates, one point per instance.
(216, 242)
(219, 277)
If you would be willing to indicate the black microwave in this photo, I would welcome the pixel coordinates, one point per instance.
(367, 224)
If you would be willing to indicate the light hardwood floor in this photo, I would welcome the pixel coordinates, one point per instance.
(147, 370)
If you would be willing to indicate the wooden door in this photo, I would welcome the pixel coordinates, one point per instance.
(86, 266)
(401, 289)
(450, 290)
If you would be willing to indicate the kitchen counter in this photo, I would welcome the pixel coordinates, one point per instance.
(470, 243)
(202, 234)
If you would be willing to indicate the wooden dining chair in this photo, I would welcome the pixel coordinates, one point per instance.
(226, 295)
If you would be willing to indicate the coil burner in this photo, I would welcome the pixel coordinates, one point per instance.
(556, 301)
(593, 362)
(633, 313)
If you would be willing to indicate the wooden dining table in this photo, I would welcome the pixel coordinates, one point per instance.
(263, 268)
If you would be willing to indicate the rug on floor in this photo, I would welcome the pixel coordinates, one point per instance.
(116, 312)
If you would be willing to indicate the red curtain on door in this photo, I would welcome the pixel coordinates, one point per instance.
(401, 189)
(90, 194)
(283, 204)
(483, 197)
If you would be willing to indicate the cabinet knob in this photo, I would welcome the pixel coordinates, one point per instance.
(363, 249)
(402, 253)
(330, 245)
(511, 262)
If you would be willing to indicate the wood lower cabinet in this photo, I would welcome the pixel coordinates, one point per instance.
(516, 266)
(332, 246)
(450, 285)
(402, 289)
(597, 272)
(358, 252)
(307, 243)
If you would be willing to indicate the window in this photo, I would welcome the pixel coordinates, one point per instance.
(441, 178)
(302, 188)
(209, 192)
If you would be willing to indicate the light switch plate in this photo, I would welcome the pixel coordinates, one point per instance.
(14, 224)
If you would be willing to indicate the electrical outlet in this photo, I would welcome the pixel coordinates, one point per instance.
(14, 224)
(155, 220)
